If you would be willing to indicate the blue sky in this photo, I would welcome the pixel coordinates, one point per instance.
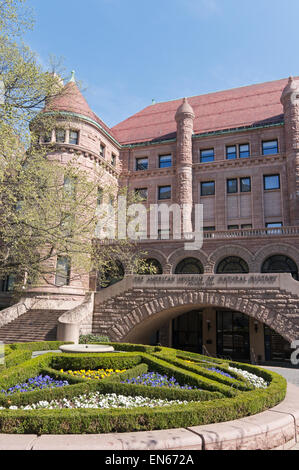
(128, 52)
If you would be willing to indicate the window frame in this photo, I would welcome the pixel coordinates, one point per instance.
(227, 186)
(137, 192)
(232, 153)
(137, 160)
(201, 156)
(163, 156)
(159, 193)
(240, 152)
(271, 176)
(245, 178)
(202, 183)
(77, 140)
(267, 142)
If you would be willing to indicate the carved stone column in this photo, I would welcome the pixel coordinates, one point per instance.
(184, 118)
(290, 101)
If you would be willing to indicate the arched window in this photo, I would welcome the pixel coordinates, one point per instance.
(232, 265)
(111, 276)
(189, 266)
(280, 264)
(153, 267)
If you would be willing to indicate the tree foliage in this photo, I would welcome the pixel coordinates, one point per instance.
(47, 210)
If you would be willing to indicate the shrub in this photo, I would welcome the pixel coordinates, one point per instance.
(217, 400)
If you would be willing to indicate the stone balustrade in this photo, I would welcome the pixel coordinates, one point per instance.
(77, 320)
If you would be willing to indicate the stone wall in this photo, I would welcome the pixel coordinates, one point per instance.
(147, 302)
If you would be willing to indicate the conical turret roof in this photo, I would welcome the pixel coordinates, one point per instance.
(71, 100)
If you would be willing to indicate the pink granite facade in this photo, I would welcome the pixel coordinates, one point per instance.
(236, 153)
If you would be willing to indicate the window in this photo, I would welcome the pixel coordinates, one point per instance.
(246, 226)
(141, 164)
(231, 152)
(189, 266)
(232, 186)
(207, 188)
(100, 196)
(164, 192)
(74, 137)
(245, 185)
(113, 159)
(244, 151)
(270, 147)
(233, 227)
(163, 234)
(141, 193)
(165, 161)
(47, 138)
(232, 265)
(102, 150)
(209, 229)
(63, 270)
(273, 224)
(7, 283)
(207, 156)
(271, 182)
(60, 135)
(69, 186)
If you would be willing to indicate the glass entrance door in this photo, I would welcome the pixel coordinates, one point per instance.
(233, 335)
(276, 347)
(187, 332)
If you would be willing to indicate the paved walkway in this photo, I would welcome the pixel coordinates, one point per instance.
(289, 373)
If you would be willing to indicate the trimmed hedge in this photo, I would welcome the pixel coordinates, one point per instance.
(217, 401)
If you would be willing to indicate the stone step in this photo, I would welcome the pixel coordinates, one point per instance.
(34, 325)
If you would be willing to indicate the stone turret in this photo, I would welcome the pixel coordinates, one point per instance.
(184, 118)
(290, 102)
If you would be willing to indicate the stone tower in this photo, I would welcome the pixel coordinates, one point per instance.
(290, 102)
(184, 118)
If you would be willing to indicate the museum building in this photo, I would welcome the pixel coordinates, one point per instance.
(236, 152)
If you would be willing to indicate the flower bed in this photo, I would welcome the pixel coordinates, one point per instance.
(99, 401)
(93, 374)
(182, 389)
(153, 379)
(39, 382)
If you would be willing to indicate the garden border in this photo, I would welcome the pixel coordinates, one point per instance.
(277, 428)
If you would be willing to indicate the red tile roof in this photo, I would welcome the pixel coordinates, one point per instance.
(71, 100)
(239, 107)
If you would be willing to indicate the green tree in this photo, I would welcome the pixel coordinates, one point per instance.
(47, 211)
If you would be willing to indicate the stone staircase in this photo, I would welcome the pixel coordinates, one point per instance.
(34, 325)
